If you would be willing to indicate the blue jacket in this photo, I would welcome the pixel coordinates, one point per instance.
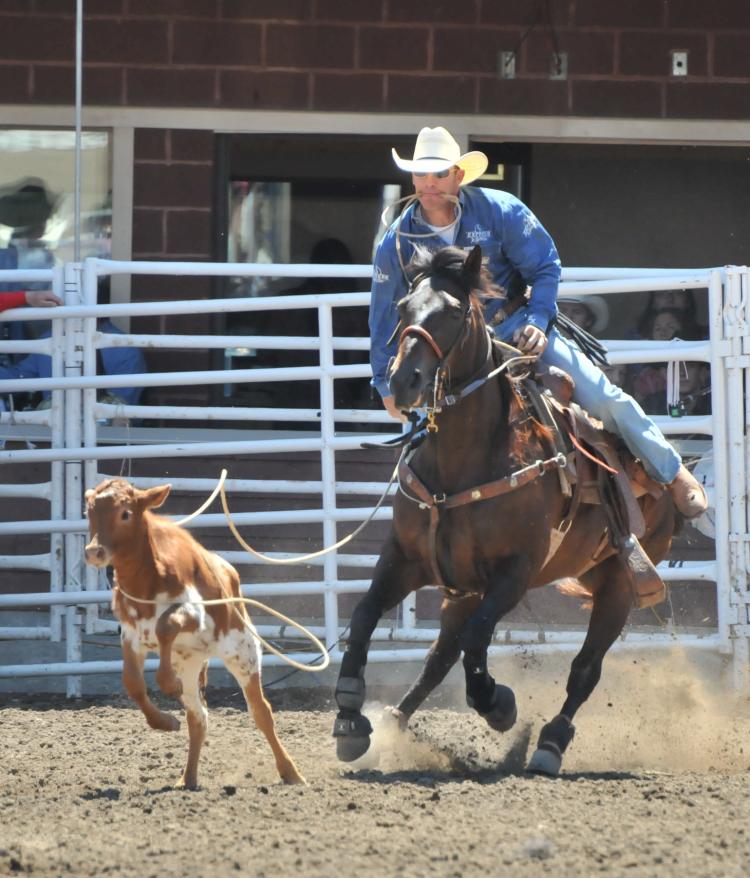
(516, 248)
(116, 361)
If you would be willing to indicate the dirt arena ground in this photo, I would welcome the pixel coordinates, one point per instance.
(656, 782)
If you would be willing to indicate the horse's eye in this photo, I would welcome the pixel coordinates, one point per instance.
(125, 515)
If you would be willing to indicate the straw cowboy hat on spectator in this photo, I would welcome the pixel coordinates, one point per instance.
(435, 151)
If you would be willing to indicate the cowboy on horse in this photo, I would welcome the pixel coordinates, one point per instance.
(519, 253)
(506, 489)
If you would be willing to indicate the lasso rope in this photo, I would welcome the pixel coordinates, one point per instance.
(297, 559)
(245, 619)
(247, 622)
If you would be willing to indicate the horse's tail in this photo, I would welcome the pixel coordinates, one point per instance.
(575, 589)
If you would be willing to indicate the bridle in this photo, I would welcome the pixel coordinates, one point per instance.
(416, 329)
(441, 371)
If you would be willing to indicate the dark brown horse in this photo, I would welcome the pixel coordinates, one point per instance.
(488, 548)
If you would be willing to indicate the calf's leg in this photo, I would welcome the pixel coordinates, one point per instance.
(263, 717)
(135, 686)
(241, 655)
(191, 671)
(173, 621)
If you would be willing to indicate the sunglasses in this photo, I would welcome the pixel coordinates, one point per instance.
(441, 175)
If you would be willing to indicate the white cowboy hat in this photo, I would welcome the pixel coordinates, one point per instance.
(596, 305)
(435, 150)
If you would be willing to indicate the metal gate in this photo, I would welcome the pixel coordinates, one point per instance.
(72, 428)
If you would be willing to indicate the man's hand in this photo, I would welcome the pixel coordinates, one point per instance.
(530, 340)
(390, 407)
(42, 299)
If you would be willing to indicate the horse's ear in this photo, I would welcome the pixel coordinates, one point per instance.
(473, 266)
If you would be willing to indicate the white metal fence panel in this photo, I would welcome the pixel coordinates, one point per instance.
(50, 491)
(76, 450)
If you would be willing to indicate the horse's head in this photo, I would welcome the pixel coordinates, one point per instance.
(441, 327)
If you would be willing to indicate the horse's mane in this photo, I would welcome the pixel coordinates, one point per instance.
(448, 263)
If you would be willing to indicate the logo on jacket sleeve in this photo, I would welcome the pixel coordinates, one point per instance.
(379, 276)
(530, 223)
(478, 235)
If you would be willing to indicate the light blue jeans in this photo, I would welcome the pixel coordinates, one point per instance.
(618, 411)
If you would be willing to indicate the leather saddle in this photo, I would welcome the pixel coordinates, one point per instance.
(600, 471)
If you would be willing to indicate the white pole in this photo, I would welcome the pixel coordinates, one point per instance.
(328, 474)
(73, 468)
(78, 99)
(88, 405)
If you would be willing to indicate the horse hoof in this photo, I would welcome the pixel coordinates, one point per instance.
(350, 749)
(393, 715)
(503, 711)
(352, 733)
(545, 762)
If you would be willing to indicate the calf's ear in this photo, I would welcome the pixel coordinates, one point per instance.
(152, 498)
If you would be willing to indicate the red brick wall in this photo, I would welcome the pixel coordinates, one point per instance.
(383, 55)
(172, 214)
(173, 194)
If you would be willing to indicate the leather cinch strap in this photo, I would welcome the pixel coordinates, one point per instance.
(434, 502)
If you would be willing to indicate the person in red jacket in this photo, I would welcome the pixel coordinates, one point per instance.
(32, 298)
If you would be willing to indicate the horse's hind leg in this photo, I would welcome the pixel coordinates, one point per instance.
(612, 603)
(443, 654)
(393, 579)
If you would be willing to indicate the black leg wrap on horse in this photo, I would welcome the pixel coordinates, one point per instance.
(558, 733)
(502, 712)
(350, 693)
(351, 725)
(553, 742)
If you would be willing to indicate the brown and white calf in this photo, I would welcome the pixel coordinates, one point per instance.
(156, 560)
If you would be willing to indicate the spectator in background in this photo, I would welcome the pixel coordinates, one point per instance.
(110, 361)
(25, 207)
(695, 393)
(32, 298)
(650, 382)
(682, 301)
(695, 389)
(589, 312)
(619, 375)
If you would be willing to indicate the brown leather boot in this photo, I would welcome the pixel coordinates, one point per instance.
(688, 494)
